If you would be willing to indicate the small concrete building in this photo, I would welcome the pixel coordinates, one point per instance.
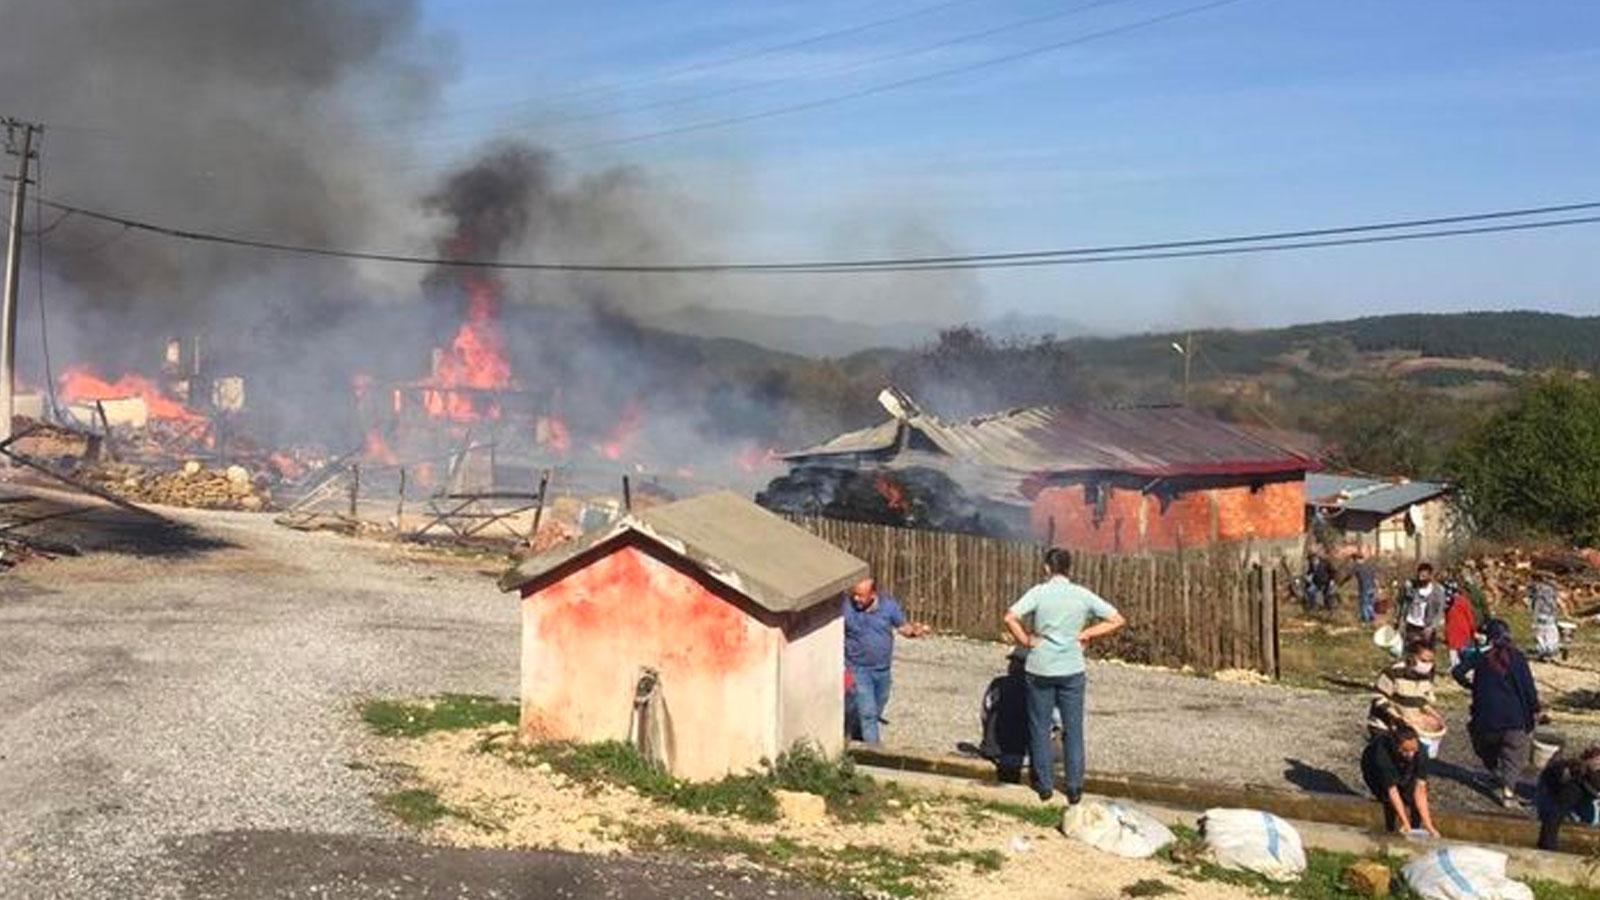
(734, 611)
(1395, 518)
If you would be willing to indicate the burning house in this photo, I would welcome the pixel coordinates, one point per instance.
(707, 631)
(1117, 480)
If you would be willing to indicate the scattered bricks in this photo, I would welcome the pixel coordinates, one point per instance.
(801, 808)
(1367, 878)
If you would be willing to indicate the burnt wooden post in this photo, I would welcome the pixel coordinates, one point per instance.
(538, 511)
(627, 495)
(400, 505)
(355, 487)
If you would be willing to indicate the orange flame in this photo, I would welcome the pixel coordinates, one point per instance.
(474, 361)
(752, 458)
(80, 383)
(551, 433)
(894, 496)
(377, 449)
(624, 433)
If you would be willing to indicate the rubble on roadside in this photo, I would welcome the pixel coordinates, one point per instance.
(193, 485)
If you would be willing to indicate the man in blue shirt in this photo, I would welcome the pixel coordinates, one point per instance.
(871, 620)
(1061, 612)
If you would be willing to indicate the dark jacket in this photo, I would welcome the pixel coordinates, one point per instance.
(1564, 792)
(1501, 700)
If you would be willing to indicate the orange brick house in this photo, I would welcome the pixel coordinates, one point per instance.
(1108, 480)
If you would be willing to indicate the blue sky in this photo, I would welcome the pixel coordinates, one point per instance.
(1258, 115)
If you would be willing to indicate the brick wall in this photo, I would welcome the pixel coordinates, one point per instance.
(1128, 520)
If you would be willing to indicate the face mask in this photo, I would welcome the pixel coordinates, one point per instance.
(1422, 668)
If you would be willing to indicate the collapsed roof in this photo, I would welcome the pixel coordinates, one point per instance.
(1008, 454)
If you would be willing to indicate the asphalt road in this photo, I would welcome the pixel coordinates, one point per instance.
(178, 717)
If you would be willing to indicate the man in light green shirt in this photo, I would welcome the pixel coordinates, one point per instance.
(1062, 612)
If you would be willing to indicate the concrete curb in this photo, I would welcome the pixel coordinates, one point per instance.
(1506, 831)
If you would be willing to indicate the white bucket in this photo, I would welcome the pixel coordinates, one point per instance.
(1430, 730)
(1389, 639)
(1546, 744)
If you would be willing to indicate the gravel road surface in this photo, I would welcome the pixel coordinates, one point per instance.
(1178, 726)
(167, 715)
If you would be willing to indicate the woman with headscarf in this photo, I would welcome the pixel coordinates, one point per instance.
(1569, 791)
(1505, 708)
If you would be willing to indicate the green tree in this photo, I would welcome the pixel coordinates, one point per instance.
(1535, 467)
(1395, 430)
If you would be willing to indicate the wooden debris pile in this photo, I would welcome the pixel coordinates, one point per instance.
(193, 485)
(1505, 576)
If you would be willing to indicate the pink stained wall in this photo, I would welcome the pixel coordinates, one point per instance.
(585, 637)
(813, 680)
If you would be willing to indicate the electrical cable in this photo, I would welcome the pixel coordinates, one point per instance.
(816, 71)
(884, 87)
(41, 232)
(1257, 243)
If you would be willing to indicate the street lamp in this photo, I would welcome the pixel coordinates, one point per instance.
(1185, 350)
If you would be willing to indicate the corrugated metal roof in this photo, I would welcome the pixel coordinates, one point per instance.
(777, 564)
(1371, 495)
(1147, 441)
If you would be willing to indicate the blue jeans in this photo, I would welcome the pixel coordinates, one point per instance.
(1063, 694)
(871, 693)
(1369, 605)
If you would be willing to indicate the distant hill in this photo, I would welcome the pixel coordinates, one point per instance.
(1525, 341)
(822, 336)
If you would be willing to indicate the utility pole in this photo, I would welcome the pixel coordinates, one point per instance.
(8, 313)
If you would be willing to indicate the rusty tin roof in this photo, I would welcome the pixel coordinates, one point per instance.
(1153, 441)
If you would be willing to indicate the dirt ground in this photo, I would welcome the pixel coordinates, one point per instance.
(501, 805)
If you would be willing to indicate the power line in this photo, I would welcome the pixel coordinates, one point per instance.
(1369, 233)
(884, 87)
(815, 71)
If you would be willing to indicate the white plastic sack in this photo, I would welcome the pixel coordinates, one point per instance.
(1463, 872)
(1115, 828)
(1255, 841)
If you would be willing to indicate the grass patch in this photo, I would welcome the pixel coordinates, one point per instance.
(417, 807)
(874, 871)
(850, 795)
(447, 712)
(1148, 887)
(1313, 652)
(1042, 815)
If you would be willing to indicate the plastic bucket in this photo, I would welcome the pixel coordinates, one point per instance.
(1546, 744)
(1389, 639)
(1430, 731)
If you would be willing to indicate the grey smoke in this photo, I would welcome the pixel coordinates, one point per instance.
(289, 120)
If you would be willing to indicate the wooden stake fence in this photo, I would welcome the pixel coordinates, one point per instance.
(1209, 610)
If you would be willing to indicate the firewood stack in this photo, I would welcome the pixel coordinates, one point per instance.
(193, 485)
(1506, 576)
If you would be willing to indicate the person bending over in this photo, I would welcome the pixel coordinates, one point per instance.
(1396, 771)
